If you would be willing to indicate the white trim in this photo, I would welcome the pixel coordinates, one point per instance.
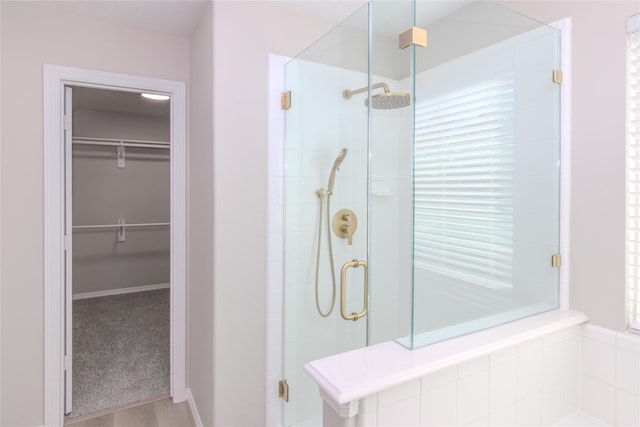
(0, 199)
(195, 415)
(565, 27)
(120, 291)
(631, 146)
(55, 77)
(275, 236)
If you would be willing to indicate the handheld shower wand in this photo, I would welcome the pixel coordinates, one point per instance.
(341, 155)
(321, 193)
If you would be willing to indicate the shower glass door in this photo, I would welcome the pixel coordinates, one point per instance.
(448, 158)
(326, 161)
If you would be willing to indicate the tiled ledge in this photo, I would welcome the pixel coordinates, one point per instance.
(348, 377)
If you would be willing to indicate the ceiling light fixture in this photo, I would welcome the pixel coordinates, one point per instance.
(155, 96)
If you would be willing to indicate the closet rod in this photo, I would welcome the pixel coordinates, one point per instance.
(135, 141)
(151, 224)
(123, 144)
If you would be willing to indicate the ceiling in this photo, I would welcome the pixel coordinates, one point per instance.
(333, 11)
(175, 17)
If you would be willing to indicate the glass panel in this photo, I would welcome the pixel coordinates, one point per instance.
(486, 169)
(390, 197)
(448, 156)
(321, 177)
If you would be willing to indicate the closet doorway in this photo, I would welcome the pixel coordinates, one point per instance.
(118, 211)
(114, 242)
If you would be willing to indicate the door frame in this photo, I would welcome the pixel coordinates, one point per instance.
(55, 78)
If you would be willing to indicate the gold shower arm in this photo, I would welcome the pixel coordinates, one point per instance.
(347, 94)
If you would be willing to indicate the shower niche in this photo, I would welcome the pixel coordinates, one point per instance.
(453, 169)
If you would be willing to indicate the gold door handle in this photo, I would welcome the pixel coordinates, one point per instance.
(343, 290)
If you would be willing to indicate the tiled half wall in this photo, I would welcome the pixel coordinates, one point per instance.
(583, 375)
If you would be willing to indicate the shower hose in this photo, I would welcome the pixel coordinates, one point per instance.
(333, 274)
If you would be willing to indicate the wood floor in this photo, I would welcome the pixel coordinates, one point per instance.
(160, 413)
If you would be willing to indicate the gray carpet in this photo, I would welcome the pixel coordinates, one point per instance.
(120, 350)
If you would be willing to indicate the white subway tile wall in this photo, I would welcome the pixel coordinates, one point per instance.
(610, 375)
(531, 384)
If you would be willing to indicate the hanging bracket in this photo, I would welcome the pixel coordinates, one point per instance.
(283, 390)
(412, 36)
(557, 76)
(285, 100)
(121, 236)
(121, 155)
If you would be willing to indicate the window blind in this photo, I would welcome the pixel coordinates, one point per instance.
(463, 184)
(633, 171)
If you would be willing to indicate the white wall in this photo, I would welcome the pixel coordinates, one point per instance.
(598, 151)
(200, 248)
(34, 34)
(245, 33)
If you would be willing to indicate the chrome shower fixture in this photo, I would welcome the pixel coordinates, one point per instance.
(382, 101)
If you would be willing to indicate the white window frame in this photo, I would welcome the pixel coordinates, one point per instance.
(632, 235)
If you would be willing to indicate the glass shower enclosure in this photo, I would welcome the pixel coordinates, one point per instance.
(422, 181)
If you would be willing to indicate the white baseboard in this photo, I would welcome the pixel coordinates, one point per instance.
(195, 416)
(120, 291)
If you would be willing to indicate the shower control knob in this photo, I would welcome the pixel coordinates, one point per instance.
(345, 224)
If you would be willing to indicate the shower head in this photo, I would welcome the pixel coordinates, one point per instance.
(336, 164)
(384, 101)
(389, 101)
